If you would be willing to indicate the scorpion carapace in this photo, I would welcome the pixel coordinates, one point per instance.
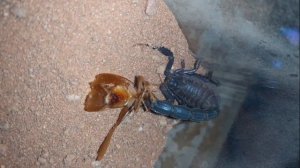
(195, 97)
(114, 91)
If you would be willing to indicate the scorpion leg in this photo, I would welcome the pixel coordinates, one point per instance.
(190, 71)
(196, 67)
(209, 76)
(197, 64)
(183, 112)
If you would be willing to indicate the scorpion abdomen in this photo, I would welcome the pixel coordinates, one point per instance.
(192, 91)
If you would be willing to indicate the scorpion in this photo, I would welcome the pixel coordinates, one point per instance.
(196, 100)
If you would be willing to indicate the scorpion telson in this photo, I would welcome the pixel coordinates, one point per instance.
(193, 93)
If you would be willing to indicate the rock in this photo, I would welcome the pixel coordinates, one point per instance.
(51, 161)
(174, 122)
(151, 7)
(73, 83)
(5, 14)
(31, 73)
(135, 1)
(14, 110)
(69, 159)
(67, 131)
(161, 69)
(92, 155)
(73, 97)
(140, 129)
(42, 158)
(3, 150)
(19, 12)
(42, 161)
(4, 126)
(70, 130)
(44, 154)
(162, 121)
(96, 164)
(86, 158)
(156, 58)
(202, 70)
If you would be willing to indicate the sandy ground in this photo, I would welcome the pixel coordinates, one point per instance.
(50, 51)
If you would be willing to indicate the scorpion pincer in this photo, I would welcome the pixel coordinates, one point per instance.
(195, 97)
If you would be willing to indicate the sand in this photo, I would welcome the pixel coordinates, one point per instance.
(50, 51)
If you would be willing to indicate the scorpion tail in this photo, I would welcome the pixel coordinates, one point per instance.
(182, 112)
(198, 116)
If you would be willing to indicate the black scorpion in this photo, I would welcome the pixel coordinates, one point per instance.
(196, 100)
